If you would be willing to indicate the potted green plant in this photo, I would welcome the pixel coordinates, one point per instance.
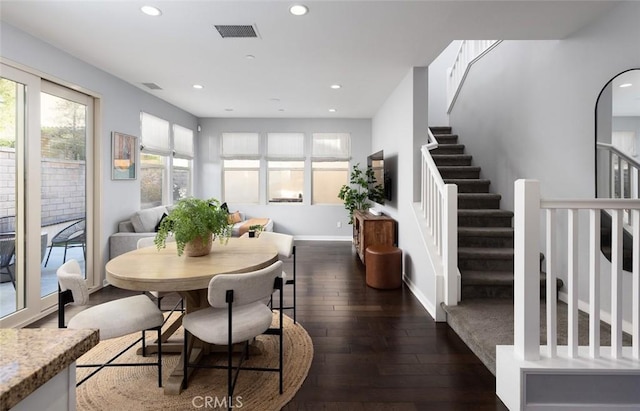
(194, 223)
(362, 188)
(255, 230)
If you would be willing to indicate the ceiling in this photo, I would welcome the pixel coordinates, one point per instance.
(626, 99)
(365, 46)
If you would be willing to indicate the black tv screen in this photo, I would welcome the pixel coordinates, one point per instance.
(382, 177)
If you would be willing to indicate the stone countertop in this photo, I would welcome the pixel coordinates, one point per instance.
(30, 357)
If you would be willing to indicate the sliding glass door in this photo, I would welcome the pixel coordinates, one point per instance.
(45, 151)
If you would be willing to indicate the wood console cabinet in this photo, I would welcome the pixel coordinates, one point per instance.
(369, 229)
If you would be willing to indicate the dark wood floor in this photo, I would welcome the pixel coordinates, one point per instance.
(374, 349)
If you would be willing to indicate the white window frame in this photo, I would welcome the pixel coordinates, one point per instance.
(285, 147)
(246, 147)
(183, 149)
(340, 152)
(151, 143)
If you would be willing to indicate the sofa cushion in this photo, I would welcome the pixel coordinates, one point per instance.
(144, 221)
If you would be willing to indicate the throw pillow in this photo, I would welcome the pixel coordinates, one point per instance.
(165, 215)
(144, 221)
(234, 217)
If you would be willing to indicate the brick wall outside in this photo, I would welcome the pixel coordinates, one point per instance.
(63, 188)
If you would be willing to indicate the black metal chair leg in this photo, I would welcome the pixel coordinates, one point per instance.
(48, 255)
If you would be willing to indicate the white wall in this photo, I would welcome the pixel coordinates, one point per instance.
(527, 108)
(438, 106)
(399, 128)
(302, 220)
(121, 107)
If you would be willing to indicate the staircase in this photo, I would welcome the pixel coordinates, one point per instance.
(484, 317)
(485, 232)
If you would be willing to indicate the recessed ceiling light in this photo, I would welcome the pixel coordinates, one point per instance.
(275, 100)
(298, 10)
(151, 11)
(198, 86)
(249, 56)
(332, 110)
(228, 109)
(280, 109)
(336, 86)
(625, 85)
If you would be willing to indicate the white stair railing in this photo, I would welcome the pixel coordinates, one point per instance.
(468, 53)
(439, 205)
(623, 172)
(528, 208)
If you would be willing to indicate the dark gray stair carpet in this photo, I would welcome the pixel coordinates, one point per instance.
(479, 200)
(458, 172)
(485, 236)
(485, 232)
(483, 323)
(484, 317)
(452, 159)
(478, 185)
(448, 149)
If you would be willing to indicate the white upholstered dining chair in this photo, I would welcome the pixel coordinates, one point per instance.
(286, 249)
(237, 314)
(113, 319)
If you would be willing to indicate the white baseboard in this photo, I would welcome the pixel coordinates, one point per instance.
(424, 301)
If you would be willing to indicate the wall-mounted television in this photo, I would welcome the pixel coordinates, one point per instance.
(382, 183)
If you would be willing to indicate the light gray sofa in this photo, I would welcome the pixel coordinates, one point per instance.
(143, 224)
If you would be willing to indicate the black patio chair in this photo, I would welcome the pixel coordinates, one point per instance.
(7, 249)
(8, 224)
(71, 236)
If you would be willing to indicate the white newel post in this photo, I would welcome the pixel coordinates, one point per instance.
(526, 270)
(450, 244)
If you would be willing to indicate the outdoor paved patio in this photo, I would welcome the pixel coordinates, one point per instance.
(48, 282)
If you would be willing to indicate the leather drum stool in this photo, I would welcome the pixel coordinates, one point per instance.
(383, 266)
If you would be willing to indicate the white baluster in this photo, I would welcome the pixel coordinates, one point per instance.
(552, 291)
(616, 284)
(572, 259)
(594, 283)
(635, 286)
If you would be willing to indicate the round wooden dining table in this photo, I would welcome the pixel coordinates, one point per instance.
(150, 269)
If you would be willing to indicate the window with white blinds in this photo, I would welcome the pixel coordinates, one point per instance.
(241, 167)
(240, 145)
(182, 142)
(285, 146)
(331, 146)
(155, 136)
(330, 154)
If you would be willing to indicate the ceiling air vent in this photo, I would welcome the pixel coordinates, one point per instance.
(152, 86)
(237, 31)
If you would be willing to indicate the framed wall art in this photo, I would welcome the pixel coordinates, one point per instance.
(123, 156)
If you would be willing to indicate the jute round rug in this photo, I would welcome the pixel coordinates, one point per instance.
(136, 388)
